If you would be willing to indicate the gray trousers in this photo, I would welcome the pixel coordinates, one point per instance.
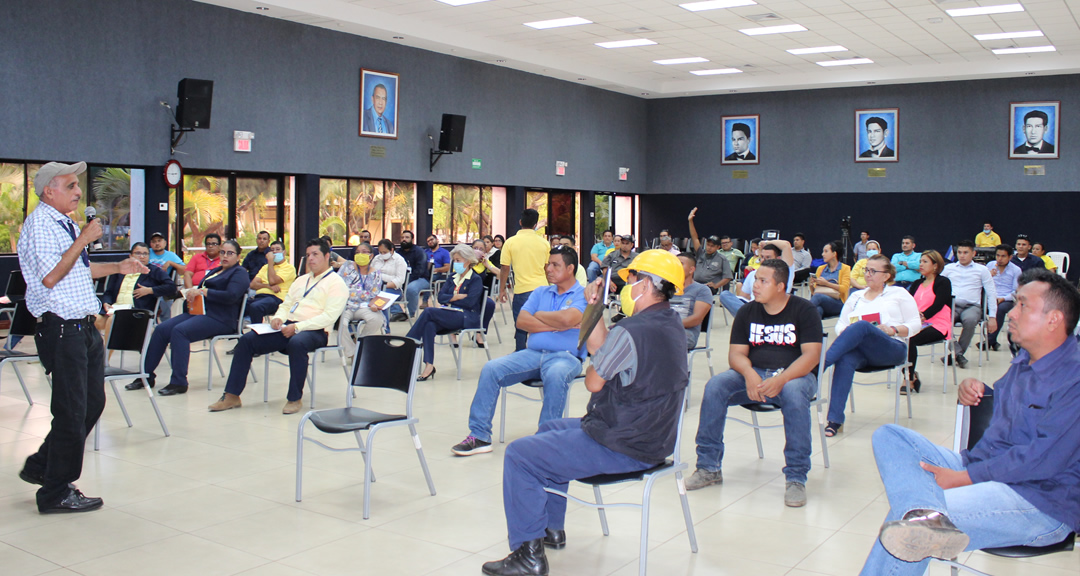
(969, 315)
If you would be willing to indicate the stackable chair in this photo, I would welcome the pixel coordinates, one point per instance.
(22, 324)
(333, 344)
(537, 385)
(894, 378)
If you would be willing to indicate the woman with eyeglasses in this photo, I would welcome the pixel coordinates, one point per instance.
(933, 295)
(135, 290)
(871, 331)
(222, 290)
(460, 300)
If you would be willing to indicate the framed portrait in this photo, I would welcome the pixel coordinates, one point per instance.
(741, 139)
(1033, 130)
(378, 104)
(876, 135)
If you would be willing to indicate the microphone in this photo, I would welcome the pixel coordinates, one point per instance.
(91, 212)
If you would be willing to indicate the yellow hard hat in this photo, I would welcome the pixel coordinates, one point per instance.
(659, 263)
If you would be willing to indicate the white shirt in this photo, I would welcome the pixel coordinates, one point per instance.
(392, 268)
(43, 242)
(969, 282)
(895, 305)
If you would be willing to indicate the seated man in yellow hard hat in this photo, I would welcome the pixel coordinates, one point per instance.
(637, 377)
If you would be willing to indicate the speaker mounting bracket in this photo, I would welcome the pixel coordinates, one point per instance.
(436, 155)
(176, 133)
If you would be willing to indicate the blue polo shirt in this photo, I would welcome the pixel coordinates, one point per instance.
(600, 249)
(438, 257)
(548, 299)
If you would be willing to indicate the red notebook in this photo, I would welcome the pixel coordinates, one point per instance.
(874, 318)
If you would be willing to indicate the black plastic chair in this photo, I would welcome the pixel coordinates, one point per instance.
(22, 324)
(130, 332)
(971, 422)
(391, 362)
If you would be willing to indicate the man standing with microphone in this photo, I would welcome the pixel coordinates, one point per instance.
(60, 294)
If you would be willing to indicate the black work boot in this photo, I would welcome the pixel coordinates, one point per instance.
(527, 560)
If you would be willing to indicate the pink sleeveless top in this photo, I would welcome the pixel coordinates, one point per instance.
(941, 321)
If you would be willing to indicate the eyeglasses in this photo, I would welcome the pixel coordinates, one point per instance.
(228, 253)
(209, 244)
(870, 271)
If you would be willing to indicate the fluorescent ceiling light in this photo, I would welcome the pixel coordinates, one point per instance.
(1007, 35)
(848, 62)
(716, 71)
(692, 60)
(1025, 50)
(818, 50)
(557, 23)
(984, 10)
(716, 5)
(460, 2)
(626, 43)
(784, 29)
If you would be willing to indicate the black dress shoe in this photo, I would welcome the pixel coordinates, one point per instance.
(428, 377)
(32, 477)
(399, 317)
(555, 539)
(172, 390)
(74, 501)
(138, 384)
(527, 560)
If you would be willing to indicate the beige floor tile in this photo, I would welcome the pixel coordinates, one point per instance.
(186, 510)
(281, 531)
(375, 552)
(179, 555)
(81, 537)
(15, 561)
(838, 555)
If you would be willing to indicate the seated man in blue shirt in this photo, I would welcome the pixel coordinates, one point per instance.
(1019, 484)
(597, 254)
(438, 259)
(551, 316)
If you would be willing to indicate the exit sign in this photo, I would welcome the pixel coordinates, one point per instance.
(476, 163)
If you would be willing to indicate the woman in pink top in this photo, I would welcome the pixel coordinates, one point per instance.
(933, 294)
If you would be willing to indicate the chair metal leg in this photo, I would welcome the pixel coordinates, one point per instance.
(97, 435)
(497, 334)
(120, 401)
(300, 455)
(646, 501)
(217, 360)
(457, 353)
(160, 418)
(600, 508)
(363, 451)
(757, 435)
(368, 473)
(851, 399)
(708, 356)
(209, 370)
(821, 430)
(896, 407)
(899, 378)
(686, 512)
(26, 392)
(502, 415)
(266, 378)
(423, 461)
(311, 383)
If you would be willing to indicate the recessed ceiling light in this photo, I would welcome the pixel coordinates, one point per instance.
(581, 79)
(848, 62)
(984, 10)
(691, 60)
(500, 61)
(644, 93)
(1025, 50)
(783, 29)
(715, 5)
(558, 23)
(264, 8)
(460, 2)
(399, 37)
(1007, 35)
(626, 43)
(716, 71)
(818, 50)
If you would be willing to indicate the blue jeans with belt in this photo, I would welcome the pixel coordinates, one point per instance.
(181, 331)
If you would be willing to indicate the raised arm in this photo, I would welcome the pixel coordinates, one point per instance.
(693, 230)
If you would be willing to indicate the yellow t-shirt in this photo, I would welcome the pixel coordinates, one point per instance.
(984, 241)
(285, 271)
(127, 290)
(1049, 263)
(527, 253)
(858, 272)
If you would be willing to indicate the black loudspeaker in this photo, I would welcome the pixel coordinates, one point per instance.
(195, 97)
(452, 134)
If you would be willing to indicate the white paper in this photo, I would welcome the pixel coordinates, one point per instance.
(113, 308)
(263, 328)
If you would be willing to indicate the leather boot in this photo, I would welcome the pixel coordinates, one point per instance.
(923, 534)
(555, 539)
(527, 560)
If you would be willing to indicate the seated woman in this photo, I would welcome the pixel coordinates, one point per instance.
(135, 290)
(392, 269)
(223, 290)
(460, 300)
(830, 283)
(858, 276)
(1039, 249)
(871, 331)
(484, 267)
(364, 284)
(933, 296)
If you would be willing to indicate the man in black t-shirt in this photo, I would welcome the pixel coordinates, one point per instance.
(774, 352)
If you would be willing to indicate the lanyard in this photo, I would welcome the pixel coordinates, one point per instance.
(70, 229)
(205, 278)
(308, 290)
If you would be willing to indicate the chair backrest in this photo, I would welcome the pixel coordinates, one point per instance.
(1061, 260)
(16, 284)
(707, 325)
(23, 323)
(300, 267)
(100, 284)
(972, 422)
(384, 361)
(128, 330)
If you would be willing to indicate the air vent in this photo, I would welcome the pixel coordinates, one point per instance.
(769, 17)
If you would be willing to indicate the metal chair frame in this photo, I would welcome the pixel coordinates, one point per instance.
(342, 333)
(894, 378)
(22, 324)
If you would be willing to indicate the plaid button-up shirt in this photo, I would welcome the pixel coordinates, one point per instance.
(44, 240)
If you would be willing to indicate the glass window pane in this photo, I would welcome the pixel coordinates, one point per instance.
(333, 208)
(256, 209)
(400, 208)
(538, 201)
(603, 216)
(624, 208)
(561, 217)
(366, 208)
(110, 191)
(12, 196)
(290, 226)
(206, 203)
(498, 211)
(485, 214)
(441, 203)
(467, 214)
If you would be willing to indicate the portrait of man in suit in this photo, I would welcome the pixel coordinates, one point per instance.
(378, 116)
(875, 139)
(740, 144)
(1034, 130)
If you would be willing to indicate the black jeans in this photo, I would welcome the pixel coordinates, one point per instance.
(73, 352)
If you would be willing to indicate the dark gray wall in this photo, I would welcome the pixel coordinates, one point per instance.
(82, 80)
(953, 137)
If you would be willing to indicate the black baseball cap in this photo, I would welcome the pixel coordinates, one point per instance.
(157, 234)
(714, 240)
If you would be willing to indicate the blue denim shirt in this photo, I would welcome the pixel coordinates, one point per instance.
(1033, 441)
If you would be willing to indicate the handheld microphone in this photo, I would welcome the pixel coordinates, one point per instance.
(91, 212)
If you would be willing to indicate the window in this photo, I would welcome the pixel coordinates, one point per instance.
(206, 207)
(256, 209)
(110, 192)
(464, 213)
(347, 206)
(538, 201)
(602, 210)
(12, 204)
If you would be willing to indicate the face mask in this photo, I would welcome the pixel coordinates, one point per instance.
(279, 257)
(406, 245)
(459, 268)
(362, 259)
(627, 299)
(870, 253)
(986, 231)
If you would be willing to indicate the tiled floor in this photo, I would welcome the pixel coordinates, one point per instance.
(217, 497)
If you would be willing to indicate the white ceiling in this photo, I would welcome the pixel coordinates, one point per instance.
(908, 40)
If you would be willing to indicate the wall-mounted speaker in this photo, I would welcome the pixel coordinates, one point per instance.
(452, 134)
(195, 99)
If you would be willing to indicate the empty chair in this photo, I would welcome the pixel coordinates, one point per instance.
(23, 325)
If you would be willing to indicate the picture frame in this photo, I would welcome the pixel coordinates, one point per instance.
(877, 135)
(1033, 130)
(739, 147)
(377, 89)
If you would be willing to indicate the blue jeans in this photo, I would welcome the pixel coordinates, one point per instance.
(262, 305)
(558, 453)
(556, 369)
(297, 348)
(181, 331)
(827, 306)
(991, 513)
(860, 345)
(729, 389)
(592, 272)
(412, 294)
(521, 337)
(731, 302)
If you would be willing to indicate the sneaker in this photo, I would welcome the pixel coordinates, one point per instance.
(923, 534)
(795, 495)
(471, 445)
(702, 478)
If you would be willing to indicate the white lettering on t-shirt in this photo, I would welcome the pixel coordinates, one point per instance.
(774, 334)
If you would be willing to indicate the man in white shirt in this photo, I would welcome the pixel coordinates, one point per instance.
(969, 283)
(802, 257)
